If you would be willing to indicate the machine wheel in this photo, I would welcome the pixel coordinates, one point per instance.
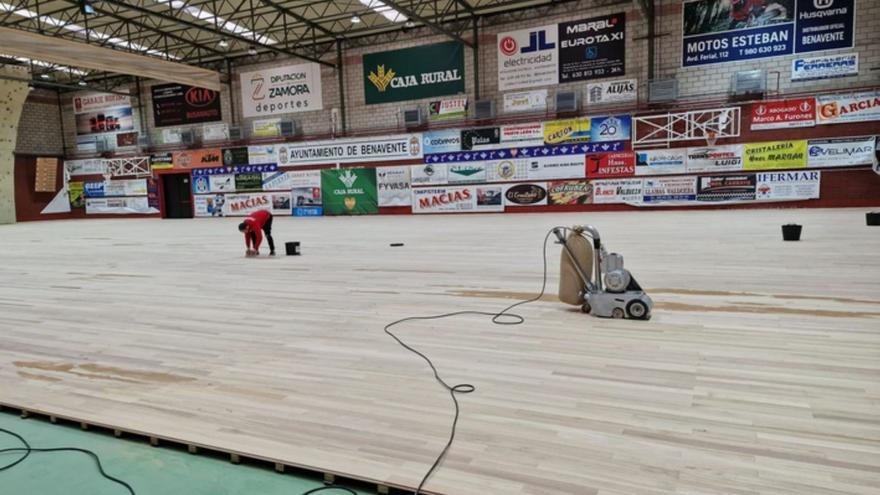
(586, 308)
(638, 310)
(617, 313)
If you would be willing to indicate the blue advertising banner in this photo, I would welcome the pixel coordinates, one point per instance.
(613, 128)
(719, 31)
(526, 152)
(238, 169)
(94, 189)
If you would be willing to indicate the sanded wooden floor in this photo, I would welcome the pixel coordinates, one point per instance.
(759, 373)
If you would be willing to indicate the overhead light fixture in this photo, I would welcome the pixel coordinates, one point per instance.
(252, 51)
(355, 19)
(409, 24)
(44, 76)
(223, 43)
(384, 10)
(82, 83)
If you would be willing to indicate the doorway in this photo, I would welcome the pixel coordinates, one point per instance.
(177, 193)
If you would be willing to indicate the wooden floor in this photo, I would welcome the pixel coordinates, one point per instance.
(759, 373)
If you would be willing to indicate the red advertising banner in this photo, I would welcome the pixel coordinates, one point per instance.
(784, 114)
(611, 165)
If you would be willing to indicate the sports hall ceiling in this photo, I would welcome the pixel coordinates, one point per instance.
(212, 33)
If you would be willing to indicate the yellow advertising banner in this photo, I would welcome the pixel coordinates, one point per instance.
(267, 128)
(567, 131)
(75, 191)
(775, 155)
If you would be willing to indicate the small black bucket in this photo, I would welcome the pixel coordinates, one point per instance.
(791, 232)
(292, 248)
(872, 218)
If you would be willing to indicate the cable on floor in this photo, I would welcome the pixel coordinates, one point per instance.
(500, 318)
(27, 450)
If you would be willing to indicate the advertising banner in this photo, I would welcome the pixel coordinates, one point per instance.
(457, 199)
(249, 182)
(179, 104)
(525, 101)
(612, 128)
(775, 155)
(592, 48)
(414, 73)
(507, 170)
(824, 25)
(394, 186)
(76, 194)
(661, 161)
(93, 189)
(852, 107)
(215, 132)
(305, 193)
(610, 165)
(534, 194)
(99, 113)
(603, 93)
(266, 128)
(203, 158)
(219, 183)
(429, 174)
(277, 181)
(847, 152)
(243, 204)
(126, 139)
(617, 191)
(726, 188)
(712, 159)
(262, 154)
(569, 192)
(556, 167)
(116, 188)
(90, 166)
(458, 173)
(567, 131)
(172, 136)
(784, 114)
(162, 161)
(475, 139)
(118, 206)
(238, 169)
(452, 108)
(442, 141)
(280, 90)
(209, 205)
(400, 147)
(235, 156)
(669, 190)
(525, 152)
(826, 67)
(523, 132)
(86, 144)
(350, 191)
(528, 58)
(781, 186)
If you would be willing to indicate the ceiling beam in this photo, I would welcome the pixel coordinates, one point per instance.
(434, 26)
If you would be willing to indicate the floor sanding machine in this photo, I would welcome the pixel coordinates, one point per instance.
(595, 279)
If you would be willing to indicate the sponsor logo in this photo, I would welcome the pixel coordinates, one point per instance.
(350, 203)
(414, 146)
(465, 171)
(445, 198)
(526, 194)
(200, 97)
(508, 46)
(823, 4)
(348, 178)
(506, 169)
(381, 79)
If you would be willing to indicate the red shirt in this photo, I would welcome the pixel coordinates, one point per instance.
(255, 222)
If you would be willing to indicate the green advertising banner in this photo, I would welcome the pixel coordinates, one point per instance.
(76, 193)
(413, 73)
(249, 182)
(349, 191)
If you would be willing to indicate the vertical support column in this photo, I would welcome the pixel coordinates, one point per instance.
(13, 94)
(340, 75)
(231, 93)
(476, 58)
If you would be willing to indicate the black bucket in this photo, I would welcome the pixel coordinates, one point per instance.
(872, 218)
(791, 232)
(292, 248)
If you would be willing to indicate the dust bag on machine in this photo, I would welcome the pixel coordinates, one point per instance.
(571, 284)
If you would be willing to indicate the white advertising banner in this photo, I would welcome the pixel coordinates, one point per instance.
(221, 183)
(623, 91)
(458, 173)
(507, 170)
(669, 190)
(661, 162)
(126, 187)
(306, 193)
(853, 107)
(557, 167)
(280, 90)
(429, 174)
(457, 199)
(523, 132)
(91, 166)
(441, 141)
(528, 58)
(208, 205)
(525, 101)
(393, 184)
(841, 152)
(712, 159)
(215, 132)
(264, 128)
(243, 204)
(262, 154)
(172, 136)
(277, 181)
(399, 147)
(776, 186)
(118, 206)
(617, 191)
(829, 66)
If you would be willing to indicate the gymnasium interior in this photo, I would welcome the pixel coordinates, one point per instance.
(439, 247)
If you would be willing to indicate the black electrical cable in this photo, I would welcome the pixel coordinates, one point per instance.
(330, 487)
(27, 449)
(466, 388)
